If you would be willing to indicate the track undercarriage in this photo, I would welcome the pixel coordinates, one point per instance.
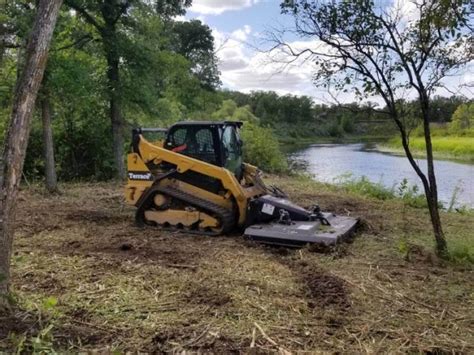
(171, 208)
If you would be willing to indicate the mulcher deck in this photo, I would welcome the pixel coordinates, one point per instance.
(301, 233)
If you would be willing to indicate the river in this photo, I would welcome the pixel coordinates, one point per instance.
(327, 162)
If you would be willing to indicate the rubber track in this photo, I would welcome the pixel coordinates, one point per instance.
(225, 216)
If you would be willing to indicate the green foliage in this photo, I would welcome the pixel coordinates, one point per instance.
(364, 186)
(404, 247)
(261, 147)
(409, 194)
(450, 146)
(49, 303)
(461, 253)
(195, 42)
(453, 139)
(298, 117)
(167, 73)
(462, 122)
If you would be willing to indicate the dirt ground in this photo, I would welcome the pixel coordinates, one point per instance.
(122, 288)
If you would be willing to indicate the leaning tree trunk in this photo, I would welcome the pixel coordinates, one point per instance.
(429, 183)
(432, 194)
(16, 139)
(51, 181)
(113, 77)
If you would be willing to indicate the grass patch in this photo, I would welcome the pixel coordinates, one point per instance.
(409, 194)
(450, 147)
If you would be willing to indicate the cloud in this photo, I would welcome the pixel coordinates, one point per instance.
(245, 69)
(216, 7)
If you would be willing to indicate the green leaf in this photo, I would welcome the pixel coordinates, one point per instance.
(50, 302)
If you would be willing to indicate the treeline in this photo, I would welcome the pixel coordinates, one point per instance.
(112, 65)
(294, 117)
(116, 65)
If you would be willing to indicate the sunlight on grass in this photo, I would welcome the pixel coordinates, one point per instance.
(450, 146)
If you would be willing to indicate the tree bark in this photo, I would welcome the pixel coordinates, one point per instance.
(51, 181)
(116, 118)
(113, 77)
(432, 194)
(16, 139)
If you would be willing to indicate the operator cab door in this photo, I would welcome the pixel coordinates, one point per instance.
(195, 141)
(232, 150)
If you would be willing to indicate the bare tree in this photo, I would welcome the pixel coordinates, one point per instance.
(16, 139)
(390, 52)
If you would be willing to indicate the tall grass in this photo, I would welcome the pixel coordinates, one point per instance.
(455, 146)
(410, 194)
(458, 146)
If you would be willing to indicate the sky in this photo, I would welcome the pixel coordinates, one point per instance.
(240, 29)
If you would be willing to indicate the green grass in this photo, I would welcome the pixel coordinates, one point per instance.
(409, 194)
(460, 148)
(398, 201)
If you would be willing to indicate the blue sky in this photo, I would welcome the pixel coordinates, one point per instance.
(240, 28)
(260, 14)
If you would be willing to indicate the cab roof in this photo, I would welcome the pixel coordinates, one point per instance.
(209, 123)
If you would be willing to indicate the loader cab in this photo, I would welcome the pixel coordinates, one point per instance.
(216, 143)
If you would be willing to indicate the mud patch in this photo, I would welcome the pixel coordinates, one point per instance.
(48, 283)
(204, 295)
(94, 216)
(321, 289)
(194, 340)
(15, 323)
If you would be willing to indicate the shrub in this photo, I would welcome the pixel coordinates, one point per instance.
(462, 121)
(462, 253)
(261, 148)
(364, 186)
(410, 194)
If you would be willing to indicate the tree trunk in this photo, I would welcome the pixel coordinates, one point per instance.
(432, 196)
(113, 77)
(429, 183)
(51, 180)
(16, 139)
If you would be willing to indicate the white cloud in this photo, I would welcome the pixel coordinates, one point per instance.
(245, 69)
(216, 7)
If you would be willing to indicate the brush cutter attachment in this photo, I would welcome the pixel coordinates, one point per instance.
(278, 221)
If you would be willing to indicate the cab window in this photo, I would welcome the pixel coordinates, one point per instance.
(232, 151)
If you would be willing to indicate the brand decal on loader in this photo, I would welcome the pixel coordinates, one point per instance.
(140, 176)
(268, 209)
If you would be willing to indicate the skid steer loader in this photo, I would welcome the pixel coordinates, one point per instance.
(195, 180)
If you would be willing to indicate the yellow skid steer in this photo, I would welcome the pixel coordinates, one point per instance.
(195, 180)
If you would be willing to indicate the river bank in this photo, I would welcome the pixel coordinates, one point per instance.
(87, 279)
(356, 164)
(446, 148)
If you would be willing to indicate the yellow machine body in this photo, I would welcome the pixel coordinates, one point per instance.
(235, 195)
(195, 181)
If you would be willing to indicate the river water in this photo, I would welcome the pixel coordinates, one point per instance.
(327, 162)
